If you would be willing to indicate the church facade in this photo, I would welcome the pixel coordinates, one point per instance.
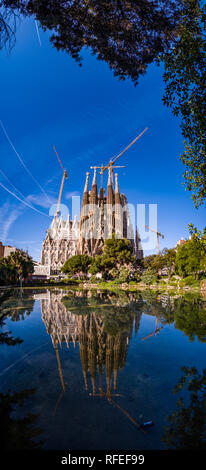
(102, 214)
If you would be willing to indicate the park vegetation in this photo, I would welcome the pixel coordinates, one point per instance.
(184, 265)
(16, 267)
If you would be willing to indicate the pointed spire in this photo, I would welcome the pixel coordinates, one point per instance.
(94, 177)
(85, 380)
(101, 194)
(101, 189)
(110, 192)
(86, 187)
(115, 378)
(116, 184)
(93, 194)
(117, 193)
(85, 199)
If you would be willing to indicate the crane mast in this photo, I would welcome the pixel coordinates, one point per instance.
(158, 235)
(62, 183)
(112, 161)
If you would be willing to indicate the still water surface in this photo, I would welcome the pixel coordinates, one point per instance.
(90, 367)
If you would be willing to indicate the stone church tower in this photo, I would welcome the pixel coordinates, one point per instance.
(101, 215)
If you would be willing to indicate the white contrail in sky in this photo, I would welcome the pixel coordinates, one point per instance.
(22, 162)
(22, 201)
(14, 187)
(26, 198)
(37, 30)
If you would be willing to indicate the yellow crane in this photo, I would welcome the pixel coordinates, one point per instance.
(157, 330)
(111, 162)
(62, 182)
(102, 169)
(61, 377)
(158, 235)
(108, 396)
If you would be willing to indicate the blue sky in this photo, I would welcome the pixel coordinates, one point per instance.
(90, 116)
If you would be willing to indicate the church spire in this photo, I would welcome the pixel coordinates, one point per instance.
(110, 192)
(101, 189)
(93, 195)
(117, 193)
(86, 187)
(85, 198)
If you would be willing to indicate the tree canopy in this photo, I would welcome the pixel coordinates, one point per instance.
(184, 76)
(117, 254)
(15, 266)
(128, 35)
(77, 264)
(187, 429)
(191, 257)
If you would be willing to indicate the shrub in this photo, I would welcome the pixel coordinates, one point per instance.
(148, 279)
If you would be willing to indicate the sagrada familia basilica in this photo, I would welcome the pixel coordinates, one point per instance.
(102, 214)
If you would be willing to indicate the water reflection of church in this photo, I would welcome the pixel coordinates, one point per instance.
(100, 352)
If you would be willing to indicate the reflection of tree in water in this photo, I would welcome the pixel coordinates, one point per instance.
(188, 313)
(17, 434)
(101, 323)
(187, 424)
(16, 306)
(5, 337)
(190, 317)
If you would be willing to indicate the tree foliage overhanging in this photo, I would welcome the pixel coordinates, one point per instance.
(128, 36)
(184, 76)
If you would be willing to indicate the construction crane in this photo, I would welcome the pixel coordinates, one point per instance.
(111, 162)
(156, 331)
(101, 172)
(108, 396)
(158, 235)
(61, 377)
(62, 182)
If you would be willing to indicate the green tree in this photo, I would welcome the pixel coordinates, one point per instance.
(124, 274)
(18, 265)
(118, 252)
(184, 76)
(18, 434)
(191, 257)
(128, 35)
(77, 264)
(7, 272)
(22, 263)
(147, 261)
(189, 316)
(187, 424)
(148, 277)
(97, 265)
(157, 263)
(169, 258)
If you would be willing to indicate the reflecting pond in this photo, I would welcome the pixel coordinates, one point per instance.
(101, 370)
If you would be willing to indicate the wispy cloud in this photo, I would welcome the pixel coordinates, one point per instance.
(70, 194)
(41, 201)
(37, 32)
(23, 201)
(8, 215)
(22, 161)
